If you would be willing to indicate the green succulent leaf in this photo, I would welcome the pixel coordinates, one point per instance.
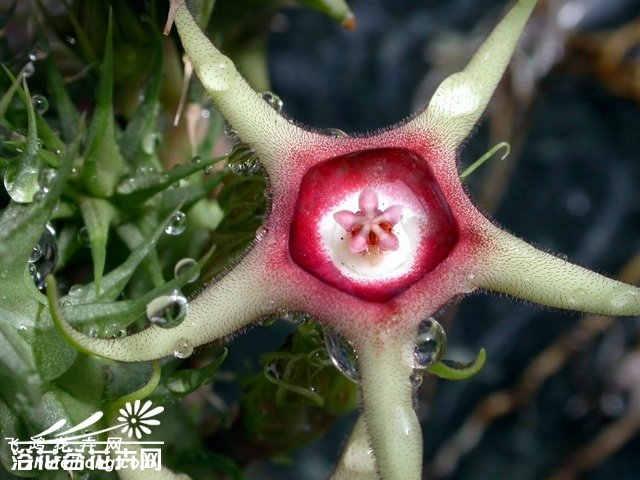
(103, 166)
(98, 215)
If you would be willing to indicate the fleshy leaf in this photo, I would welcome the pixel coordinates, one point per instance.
(21, 175)
(98, 216)
(53, 356)
(103, 165)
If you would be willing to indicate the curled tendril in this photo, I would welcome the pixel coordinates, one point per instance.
(479, 162)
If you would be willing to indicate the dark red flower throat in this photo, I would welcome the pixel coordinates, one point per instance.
(371, 223)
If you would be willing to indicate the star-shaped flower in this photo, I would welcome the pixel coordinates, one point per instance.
(371, 235)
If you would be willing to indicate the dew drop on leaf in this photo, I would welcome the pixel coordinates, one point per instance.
(46, 179)
(150, 142)
(431, 342)
(167, 311)
(342, 355)
(43, 258)
(40, 104)
(28, 70)
(242, 160)
(187, 265)
(177, 224)
(83, 237)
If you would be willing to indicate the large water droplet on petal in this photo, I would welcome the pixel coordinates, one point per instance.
(183, 348)
(167, 311)
(431, 342)
(177, 223)
(342, 354)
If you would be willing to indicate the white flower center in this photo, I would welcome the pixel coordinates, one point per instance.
(369, 236)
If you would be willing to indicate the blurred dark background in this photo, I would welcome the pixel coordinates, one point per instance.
(559, 397)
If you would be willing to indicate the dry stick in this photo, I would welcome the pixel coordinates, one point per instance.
(548, 362)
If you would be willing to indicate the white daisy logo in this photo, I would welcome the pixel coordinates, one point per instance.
(136, 419)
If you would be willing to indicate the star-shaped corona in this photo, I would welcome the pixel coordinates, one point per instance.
(371, 235)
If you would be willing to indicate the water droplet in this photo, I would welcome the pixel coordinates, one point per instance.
(273, 101)
(76, 290)
(36, 254)
(261, 232)
(431, 342)
(230, 132)
(120, 333)
(205, 113)
(335, 133)
(21, 178)
(220, 74)
(71, 40)
(40, 104)
(187, 265)
(167, 311)
(92, 332)
(43, 258)
(83, 237)
(28, 70)
(208, 170)
(182, 348)
(416, 380)
(177, 224)
(24, 328)
(38, 52)
(46, 179)
(342, 354)
(150, 142)
(242, 160)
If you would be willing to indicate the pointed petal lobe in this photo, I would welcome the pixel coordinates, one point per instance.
(516, 268)
(461, 99)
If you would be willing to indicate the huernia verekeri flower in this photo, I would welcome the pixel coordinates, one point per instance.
(371, 235)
